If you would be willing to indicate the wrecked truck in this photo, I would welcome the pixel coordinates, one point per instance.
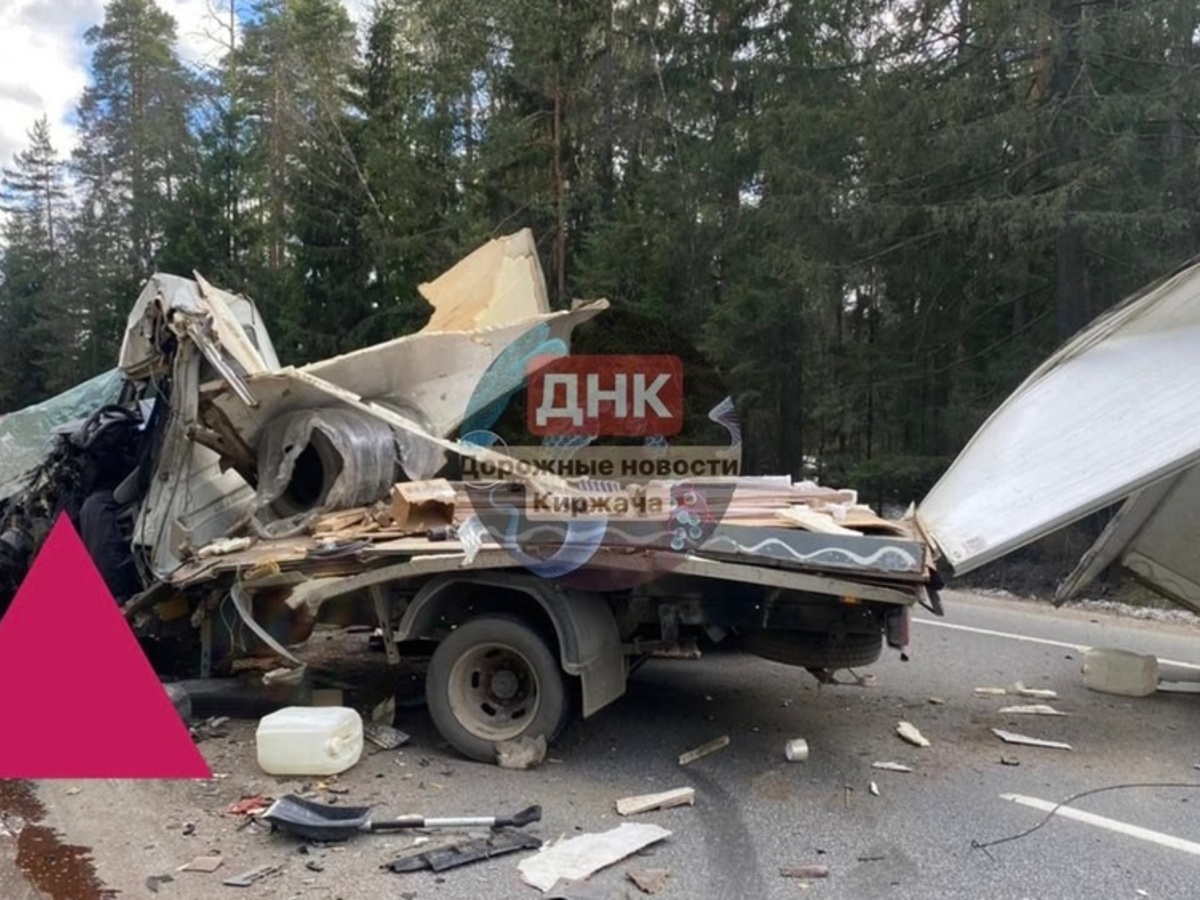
(232, 504)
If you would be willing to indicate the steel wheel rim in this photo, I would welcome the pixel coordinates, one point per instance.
(494, 691)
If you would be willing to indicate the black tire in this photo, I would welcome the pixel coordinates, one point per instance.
(814, 649)
(495, 679)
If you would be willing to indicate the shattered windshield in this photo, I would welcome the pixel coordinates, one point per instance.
(27, 435)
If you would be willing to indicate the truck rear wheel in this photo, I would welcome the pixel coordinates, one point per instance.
(814, 649)
(495, 679)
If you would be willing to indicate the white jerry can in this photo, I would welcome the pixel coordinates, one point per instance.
(309, 740)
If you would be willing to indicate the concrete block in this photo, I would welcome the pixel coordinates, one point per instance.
(1113, 671)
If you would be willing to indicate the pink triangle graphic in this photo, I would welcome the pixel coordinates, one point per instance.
(78, 697)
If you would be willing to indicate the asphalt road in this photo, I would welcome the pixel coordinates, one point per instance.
(754, 811)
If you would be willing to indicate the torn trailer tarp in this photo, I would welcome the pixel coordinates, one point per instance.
(27, 435)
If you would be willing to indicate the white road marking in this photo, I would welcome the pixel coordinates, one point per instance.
(1030, 639)
(1145, 834)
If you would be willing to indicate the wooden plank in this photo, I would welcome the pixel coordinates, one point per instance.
(1010, 737)
(631, 806)
(811, 520)
(703, 750)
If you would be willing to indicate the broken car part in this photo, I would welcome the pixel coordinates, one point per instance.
(459, 853)
(321, 822)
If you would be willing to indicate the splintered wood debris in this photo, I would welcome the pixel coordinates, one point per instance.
(891, 766)
(579, 857)
(1010, 737)
(203, 864)
(703, 750)
(419, 518)
(629, 806)
(990, 691)
(804, 871)
(1034, 693)
(1033, 709)
(909, 732)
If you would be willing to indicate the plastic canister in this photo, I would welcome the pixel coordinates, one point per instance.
(309, 740)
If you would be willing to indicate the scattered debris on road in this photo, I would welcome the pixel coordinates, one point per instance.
(891, 766)
(909, 732)
(253, 876)
(384, 736)
(564, 889)
(1034, 693)
(210, 728)
(804, 871)
(796, 750)
(523, 753)
(631, 806)
(935, 701)
(649, 881)
(990, 691)
(1009, 761)
(579, 857)
(874, 788)
(703, 750)
(249, 806)
(1033, 709)
(452, 854)
(1179, 687)
(155, 881)
(207, 863)
(1010, 737)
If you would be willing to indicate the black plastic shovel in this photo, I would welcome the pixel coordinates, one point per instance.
(322, 822)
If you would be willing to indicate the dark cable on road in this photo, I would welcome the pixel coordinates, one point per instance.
(976, 845)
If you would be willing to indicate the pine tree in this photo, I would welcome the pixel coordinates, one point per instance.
(37, 340)
(135, 148)
(135, 145)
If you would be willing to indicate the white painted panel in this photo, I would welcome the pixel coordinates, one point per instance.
(1117, 408)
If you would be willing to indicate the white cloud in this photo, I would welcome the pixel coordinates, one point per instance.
(42, 67)
(44, 61)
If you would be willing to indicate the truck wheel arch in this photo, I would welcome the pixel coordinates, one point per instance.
(585, 628)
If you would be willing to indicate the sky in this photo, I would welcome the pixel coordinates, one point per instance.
(44, 60)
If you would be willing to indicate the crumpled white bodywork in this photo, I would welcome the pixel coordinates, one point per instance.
(421, 385)
(1115, 410)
